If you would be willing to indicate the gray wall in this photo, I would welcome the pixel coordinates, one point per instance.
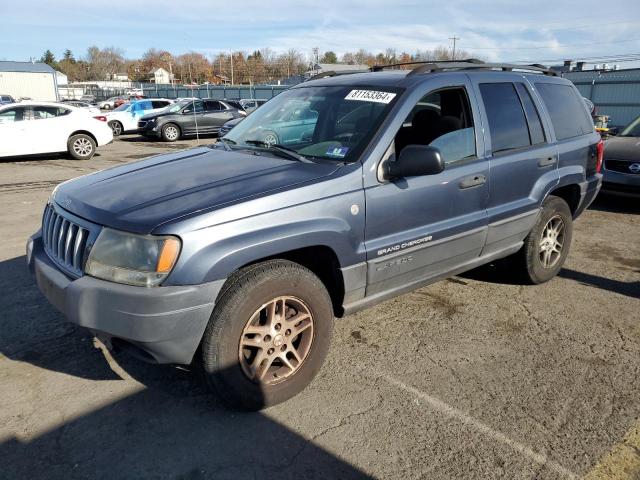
(235, 92)
(616, 93)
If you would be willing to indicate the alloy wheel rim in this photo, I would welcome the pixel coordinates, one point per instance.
(270, 139)
(82, 147)
(276, 340)
(551, 242)
(115, 126)
(171, 133)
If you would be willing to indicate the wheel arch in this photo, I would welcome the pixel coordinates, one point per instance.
(569, 193)
(323, 261)
(84, 132)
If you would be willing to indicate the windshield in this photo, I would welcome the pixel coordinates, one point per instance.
(176, 107)
(123, 108)
(632, 130)
(318, 122)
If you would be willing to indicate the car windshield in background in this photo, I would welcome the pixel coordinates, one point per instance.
(123, 108)
(632, 130)
(176, 107)
(333, 123)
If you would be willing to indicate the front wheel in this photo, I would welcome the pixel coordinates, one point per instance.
(116, 128)
(81, 146)
(547, 245)
(268, 335)
(170, 132)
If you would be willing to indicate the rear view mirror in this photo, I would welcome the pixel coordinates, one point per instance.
(416, 160)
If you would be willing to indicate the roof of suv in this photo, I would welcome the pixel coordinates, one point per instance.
(379, 76)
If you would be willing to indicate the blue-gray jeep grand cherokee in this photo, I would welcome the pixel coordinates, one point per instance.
(236, 257)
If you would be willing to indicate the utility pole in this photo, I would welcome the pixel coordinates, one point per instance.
(453, 53)
(316, 51)
(232, 82)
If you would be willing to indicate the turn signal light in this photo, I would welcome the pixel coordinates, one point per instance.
(168, 255)
(102, 118)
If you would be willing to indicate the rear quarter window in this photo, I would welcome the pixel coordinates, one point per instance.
(567, 110)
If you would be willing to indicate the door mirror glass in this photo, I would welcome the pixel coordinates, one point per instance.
(416, 160)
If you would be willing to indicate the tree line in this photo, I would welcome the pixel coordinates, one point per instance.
(239, 67)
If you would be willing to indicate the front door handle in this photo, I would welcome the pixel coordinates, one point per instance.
(472, 181)
(545, 162)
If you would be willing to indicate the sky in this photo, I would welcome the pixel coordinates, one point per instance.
(534, 31)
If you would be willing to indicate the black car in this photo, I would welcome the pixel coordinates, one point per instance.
(622, 162)
(189, 117)
(6, 99)
(226, 128)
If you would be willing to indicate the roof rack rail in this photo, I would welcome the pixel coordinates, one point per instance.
(331, 73)
(379, 68)
(468, 64)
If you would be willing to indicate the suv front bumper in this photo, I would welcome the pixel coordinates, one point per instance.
(167, 323)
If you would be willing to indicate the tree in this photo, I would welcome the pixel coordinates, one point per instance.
(49, 58)
(68, 56)
(329, 57)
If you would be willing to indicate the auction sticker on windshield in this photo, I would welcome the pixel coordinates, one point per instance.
(370, 96)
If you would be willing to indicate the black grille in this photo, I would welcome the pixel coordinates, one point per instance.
(620, 166)
(65, 240)
(142, 123)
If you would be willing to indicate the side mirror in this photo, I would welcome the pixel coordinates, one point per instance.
(416, 160)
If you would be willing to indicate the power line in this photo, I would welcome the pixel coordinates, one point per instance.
(554, 46)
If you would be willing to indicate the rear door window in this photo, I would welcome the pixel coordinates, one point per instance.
(567, 110)
(536, 133)
(212, 106)
(42, 112)
(507, 123)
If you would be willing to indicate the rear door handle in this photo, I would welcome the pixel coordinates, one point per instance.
(472, 181)
(545, 162)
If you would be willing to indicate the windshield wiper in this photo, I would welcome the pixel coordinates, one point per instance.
(226, 142)
(279, 148)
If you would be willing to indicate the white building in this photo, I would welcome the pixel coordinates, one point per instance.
(161, 76)
(27, 79)
(61, 78)
(120, 77)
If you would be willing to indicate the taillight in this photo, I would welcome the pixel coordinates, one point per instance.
(600, 155)
(102, 118)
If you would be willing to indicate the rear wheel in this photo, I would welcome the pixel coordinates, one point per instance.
(170, 132)
(116, 128)
(81, 146)
(268, 335)
(547, 245)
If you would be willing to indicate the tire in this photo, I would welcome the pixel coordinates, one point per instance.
(227, 364)
(270, 138)
(170, 132)
(540, 259)
(81, 146)
(116, 128)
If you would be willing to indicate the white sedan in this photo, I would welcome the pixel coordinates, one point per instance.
(124, 119)
(29, 128)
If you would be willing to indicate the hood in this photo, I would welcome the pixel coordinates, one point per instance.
(234, 122)
(622, 148)
(140, 196)
(161, 113)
